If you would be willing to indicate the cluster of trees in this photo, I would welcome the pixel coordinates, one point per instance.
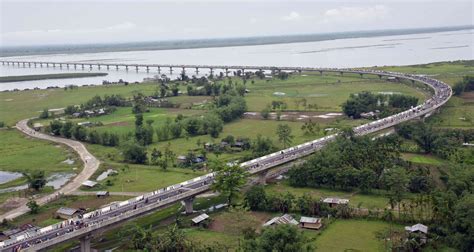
(368, 102)
(282, 238)
(204, 87)
(359, 162)
(466, 85)
(70, 130)
(258, 200)
(444, 143)
(96, 102)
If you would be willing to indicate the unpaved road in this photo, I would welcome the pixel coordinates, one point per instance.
(91, 164)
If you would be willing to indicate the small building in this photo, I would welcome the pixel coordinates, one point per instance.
(89, 183)
(419, 229)
(224, 144)
(37, 126)
(285, 219)
(182, 159)
(310, 223)
(76, 114)
(66, 213)
(335, 201)
(86, 124)
(102, 194)
(238, 144)
(197, 220)
(209, 146)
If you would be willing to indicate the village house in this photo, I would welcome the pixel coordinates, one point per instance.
(333, 202)
(285, 219)
(418, 229)
(199, 219)
(67, 213)
(310, 222)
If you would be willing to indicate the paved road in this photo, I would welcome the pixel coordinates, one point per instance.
(91, 164)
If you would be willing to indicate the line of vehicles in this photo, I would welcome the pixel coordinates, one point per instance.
(75, 227)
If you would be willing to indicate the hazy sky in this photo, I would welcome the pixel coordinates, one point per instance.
(88, 21)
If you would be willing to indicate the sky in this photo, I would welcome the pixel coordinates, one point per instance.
(92, 21)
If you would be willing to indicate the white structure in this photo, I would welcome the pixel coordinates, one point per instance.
(285, 219)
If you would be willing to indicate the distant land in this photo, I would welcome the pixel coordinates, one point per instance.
(220, 42)
(48, 76)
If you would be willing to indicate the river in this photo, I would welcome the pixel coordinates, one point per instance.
(357, 52)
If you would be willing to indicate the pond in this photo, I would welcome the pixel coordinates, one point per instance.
(56, 180)
(6, 176)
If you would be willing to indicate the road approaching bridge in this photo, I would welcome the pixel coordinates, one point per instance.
(111, 216)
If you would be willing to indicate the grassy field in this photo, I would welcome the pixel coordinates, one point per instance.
(141, 178)
(352, 235)
(48, 76)
(422, 159)
(22, 153)
(370, 201)
(328, 91)
(457, 113)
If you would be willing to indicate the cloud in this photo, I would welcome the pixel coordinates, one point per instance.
(351, 14)
(293, 16)
(253, 20)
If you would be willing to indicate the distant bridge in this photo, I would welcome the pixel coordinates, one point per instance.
(111, 216)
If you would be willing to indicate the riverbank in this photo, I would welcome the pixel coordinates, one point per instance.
(48, 76)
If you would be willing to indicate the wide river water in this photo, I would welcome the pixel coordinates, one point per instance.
(359, 52)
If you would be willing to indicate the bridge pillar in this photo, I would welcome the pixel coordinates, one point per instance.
(108, 67)
(116, 67)
(171, 70)
(361, 75)
(147, 69)
(61, 66)
(226, 72)
(262, 177)
(342, 73)
(380, 76)
(197, 70)
(90, 66)
(184, 70)
(126, 68)
(188, 205)
(98, 66)
(159, 70)
(85, 244)
(212, 70)
(320, 72)
(136, 68)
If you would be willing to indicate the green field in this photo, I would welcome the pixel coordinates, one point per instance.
(142, 178)
(370, 201)
(22, 153)
(353, 235)
(48, 76)
(328, 91)
(422, 159)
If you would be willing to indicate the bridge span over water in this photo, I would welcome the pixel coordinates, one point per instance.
(111, 216)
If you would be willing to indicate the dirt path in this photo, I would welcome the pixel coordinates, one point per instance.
(91, 164)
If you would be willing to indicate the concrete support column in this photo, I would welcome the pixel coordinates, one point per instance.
(197, 70)
(226, 72)
(159, 70)
(90, 66)
(116, 67)
(108, 67)
(126, 68)
(147, 69)
(212, 70)
(85, 244)
(188, 205)
(98, 66)
(262, 177)
(184, 70)
(136, 68)
(171, 70)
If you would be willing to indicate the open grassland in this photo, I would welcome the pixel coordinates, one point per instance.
(353, 235)
(22, 153)
(370, 201)
(328, 91)
(142, 178)
(457, 113)
(15, 106)
(449, 72)
(422, 159)
(48, 76)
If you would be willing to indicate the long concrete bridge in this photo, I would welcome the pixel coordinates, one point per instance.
(93, 223)
(171, 67)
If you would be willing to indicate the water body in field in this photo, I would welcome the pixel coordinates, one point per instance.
(356, 52)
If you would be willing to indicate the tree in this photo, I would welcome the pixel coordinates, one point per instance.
(33, 206)
(155, 156)
(265, 113)
(228, 179)
(262, 146)
(281, 238)
(94, 137)
(55, 127)
(168, 157)
(66, 129)
(134, 153)
(396, 181)
(139, 120)
(36, 179)
(463, 223)
(256, 198)
(284, 134)
(173, 240)
(44, 114)
(79, 133)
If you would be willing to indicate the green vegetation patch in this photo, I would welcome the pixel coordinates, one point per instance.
(352, 235)
(48, 76)
(22, 153)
